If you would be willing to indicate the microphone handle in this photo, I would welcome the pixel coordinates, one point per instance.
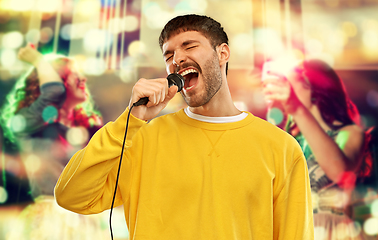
(141, 101)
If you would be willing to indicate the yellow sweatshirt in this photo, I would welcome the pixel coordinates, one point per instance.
(183, 179)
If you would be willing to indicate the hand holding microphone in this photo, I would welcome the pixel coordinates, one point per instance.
(150, 96)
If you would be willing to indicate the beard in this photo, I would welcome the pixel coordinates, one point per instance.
(212, 81)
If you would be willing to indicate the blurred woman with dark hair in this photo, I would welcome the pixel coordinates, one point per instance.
(325, 122)
(47, 116)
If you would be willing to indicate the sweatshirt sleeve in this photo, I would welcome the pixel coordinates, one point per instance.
(87, 183)
(293, 217)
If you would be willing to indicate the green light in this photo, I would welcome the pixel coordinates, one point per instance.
(342, 139)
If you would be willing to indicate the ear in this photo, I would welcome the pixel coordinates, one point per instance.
(223, 51)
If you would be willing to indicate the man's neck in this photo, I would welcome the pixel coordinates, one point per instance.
(221, 105)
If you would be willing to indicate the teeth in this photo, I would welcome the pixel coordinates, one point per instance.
(189, 88)
(191, 70)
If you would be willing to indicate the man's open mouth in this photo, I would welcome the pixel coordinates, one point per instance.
(191, 77)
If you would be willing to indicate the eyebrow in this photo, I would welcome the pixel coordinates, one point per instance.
(184, 44)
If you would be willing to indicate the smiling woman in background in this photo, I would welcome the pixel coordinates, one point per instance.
(47, 116)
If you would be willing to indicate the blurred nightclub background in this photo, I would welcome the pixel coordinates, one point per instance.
(115, 42)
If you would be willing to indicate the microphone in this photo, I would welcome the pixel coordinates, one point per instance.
(173, 79)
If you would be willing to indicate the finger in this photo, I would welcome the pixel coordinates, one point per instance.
(164, 89)
(159, 89)
(277, 88)
(278, 81)
(277, 74)
(171, 93)
(276, 97)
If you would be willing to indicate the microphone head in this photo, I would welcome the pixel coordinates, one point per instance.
(176, 79)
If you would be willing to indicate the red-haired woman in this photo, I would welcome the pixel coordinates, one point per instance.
(325, 123)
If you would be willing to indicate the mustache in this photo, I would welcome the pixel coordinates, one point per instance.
(191, 64)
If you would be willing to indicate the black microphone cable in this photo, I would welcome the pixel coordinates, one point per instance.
(173, 79)
(119, 170)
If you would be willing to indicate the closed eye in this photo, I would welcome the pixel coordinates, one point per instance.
(191, 47)
(168, 58)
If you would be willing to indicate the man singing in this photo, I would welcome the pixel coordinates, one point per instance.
(208, 171)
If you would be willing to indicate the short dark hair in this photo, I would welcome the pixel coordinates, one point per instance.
(205, 25)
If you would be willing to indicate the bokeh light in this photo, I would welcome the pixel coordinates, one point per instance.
(3, 195)
(18, 123)
(50, 114)
(374, 209)
(268, 41)
(242, 44)
(275, 116)
(88, 8)
(127, 24)
(319, 232)
(48, 5)
(17, 5)
(150, 8)
(46, 35)
(370, 39)
(12, 40)
(114, 25)
(281, 65)
(314, 46)
(190, 6)
(76, 30)
(350, 29)
(370, 226)
(130, 24)
(8, 57)
(32, 163)
(136, 48)
(94, 66)
(96, 39)
(77, 136)
(336, 42)
(156, 17)
(65, 32)
(33, 36)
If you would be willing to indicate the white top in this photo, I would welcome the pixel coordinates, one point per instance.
(202, 118)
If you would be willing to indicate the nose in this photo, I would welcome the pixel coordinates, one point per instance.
(173, 68)
(179, 57)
